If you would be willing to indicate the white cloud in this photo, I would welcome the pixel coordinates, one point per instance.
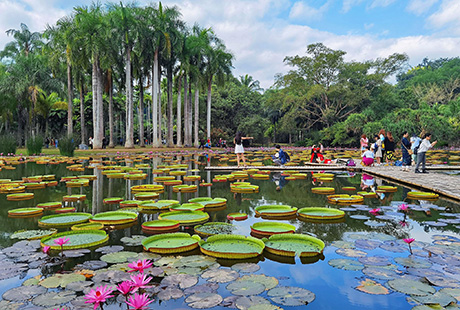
(447, 16)
(302, 11)
(381, 3)
(348, 4)
(418, 7)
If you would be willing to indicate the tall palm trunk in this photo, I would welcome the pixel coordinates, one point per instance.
(179, 112)
(160, 110)
(98, 113)
(197, 113)
(186, 112)
(141, 113)
(208, 110)
(82, 114)
(155, 142)
(111, 120)
(170, 114)
(129, 143)
(69, 100)
(190, 114)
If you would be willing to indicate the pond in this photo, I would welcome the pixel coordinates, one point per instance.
(365, 263)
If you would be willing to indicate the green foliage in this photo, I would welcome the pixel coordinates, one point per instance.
(8, 144)
(67, 146)
(34, 145)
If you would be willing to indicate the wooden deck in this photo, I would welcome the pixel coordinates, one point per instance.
(278, 168)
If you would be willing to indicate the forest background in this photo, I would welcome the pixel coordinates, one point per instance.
(93, 73)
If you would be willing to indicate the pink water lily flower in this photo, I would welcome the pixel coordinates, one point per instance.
(403, 223)
(61, 241)
(139, 301)
(98, 295)
(140, 281)
(374, 211)
(46, 249)
(140, 265)
(403, 207)
(409, 240)
(125, 287)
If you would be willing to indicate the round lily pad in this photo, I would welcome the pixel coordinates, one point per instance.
(25, 212)
(62, 220)
(214, 228)
(220, 275)
(246, 302)
(23, 293)
(202, 288)
(265, 307)
(320, 213)
(160, 226)
(118, 257)
(134, 240)
(268, 282)
(61, 280)
(246, 267)
(203, 300)
(375, 260)
(159, 205)
(438, 298)
(33, 234)
(88, 226)
(346, 264)
(185, 217)
(109, 249)
(275, 211)
(271, 228)
(294, 244)
(209, 202)
(170, 292)
(182, 280)
(359, 217)
(170, 243)
(188, 207)
(114, 217)
(49, 205)
(237, 216)
(380, 273)
(410, 287)
(291, 296)
(413, 262)
(371, 287)
(245, 288)
(232, 246)
(54, 298)
(77, 239)
(351, 252)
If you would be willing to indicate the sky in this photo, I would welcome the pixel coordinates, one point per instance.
(261, 33)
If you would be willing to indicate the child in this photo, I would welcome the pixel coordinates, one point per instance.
(279, 158)
(368, 157)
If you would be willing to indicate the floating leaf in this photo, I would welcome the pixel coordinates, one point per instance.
(351, 252)
(245, 288)
(413, 262)
(268, 282)
(410, 287)
(380, 273)
(110, 249)
(134, 240)
(203, 300)
(53, 298)
(200, 261)
(359, 217)
(393, 246)
(170, 293)
(118, 257)
(347, 264)
(23, 293)
(291, 296)
(92, 265)
(31, 281)
(78, 286)
(202, 288)
(439, 298)
(6, 305)
(343, 244)
(32, 234)
(220, 275)
(181, 280)
(244, 303)
(265, 307)
(76, 253)
(61, 280)
(443, 281)
(454, 292)
(246, 267)
(367, 244)
(375, 260)
(371, 287)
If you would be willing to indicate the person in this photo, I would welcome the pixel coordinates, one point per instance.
(389, 148)
(378, 150)
(425, 145)
(368, 157)
(405, 146)
(224, 143)
(280, 158)
(208, 144)
(367, 181)
(415, 142)
(90, 142)
(363, 142)
(202, 144)
(239, 150)
(317, 154)
(220, 142)
(279, 180)
(56, 142)
(47, 142)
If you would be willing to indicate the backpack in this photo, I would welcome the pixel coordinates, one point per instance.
(288, 158)
(351, 163)
(416, 149)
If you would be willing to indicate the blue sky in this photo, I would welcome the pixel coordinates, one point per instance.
(260, 33)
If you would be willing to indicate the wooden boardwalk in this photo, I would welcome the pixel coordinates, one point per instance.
(440, 183)
(278, 168)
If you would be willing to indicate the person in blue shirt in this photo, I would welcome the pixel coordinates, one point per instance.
(280, 157)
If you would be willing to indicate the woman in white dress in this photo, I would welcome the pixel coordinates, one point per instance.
(239, 150)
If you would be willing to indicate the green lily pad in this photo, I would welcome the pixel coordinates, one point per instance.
(275, 210)
(203, 300)
(371, 287)
(294, 244)
(265, 307)
(53, 298)
(170, 293)
(109, 249)
(170, 243)
(215, 228)
(118, 257)
(343, 244)
(159, 205)
(134, 240)
(246, 267)
(30, 281)
(25, 212)
(245, 288)
(188, 207)
(317, 213)
(246, 302)
(199, 261)
(232, 246)
(88, 226)
(32, 234)
(291, 296)
(380, 273)
(66, 219)
(202, 288)
(440, 298)
(220, 275)
(346, 264)
(114, 217)
(454, 292)
(185, 217)
(270, 228)
(61, 280)
(209, 202)
(23, 293)
(351, 252)
(268, 282)
(182, 280)
(78, 239)
(413, 262)
(410, 287)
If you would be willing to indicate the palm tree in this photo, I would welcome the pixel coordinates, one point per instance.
(249, 82)
(26, 42)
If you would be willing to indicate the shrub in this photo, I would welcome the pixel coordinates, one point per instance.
(67, 146)
(34, 145)
(7, 144)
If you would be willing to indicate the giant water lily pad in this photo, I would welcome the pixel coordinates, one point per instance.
(185, 217)
(33, 234)
(61, 280)
(268, 282)
(323, 214)
(114, 217)
(183, 281)
(209, 202)
(232, 246)
(23, 293)
(25, 212)
(220, 275)
(271, 228)
(203, 300)
(170, 243)
(346, 264)
(291, 296)
(245, 288)
(77, 239)
(294, 244)
(118, 257)
(214, 228)
(275, 211)
(410, 287)
(371, 287)
(66, 219)
(54, 298)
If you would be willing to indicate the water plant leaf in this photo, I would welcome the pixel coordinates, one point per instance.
(203, 300)
(346, 264)
(53, 298)
(229, 302)
(439, 298)
(343, 244)
(367, 244)
(371, 287)
(118, 257)
(78, 286)
(202, 288)
(200, 261)
(23, 293)
(76, 253)
(375, 260)
(246, 267)
(393, 246)
(215, 228)
(134, 240)
(110, 276)
(6, 305)
(372, 223)
(411, 287)
(439, 250)
(351, 252)
(265, 307)
(454, 292)
(109, 249)
(170, 293)
(291, 296)
(220, 275)
(245, 288)
(268, 282)
(380, 273)
(181, 280)
(359, 217)
(31, 281)
(61, 280)
(413, 262)
(246, 302)
(443, 281)
(91, 264)
(32, 234)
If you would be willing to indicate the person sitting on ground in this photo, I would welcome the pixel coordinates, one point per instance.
(317, 154)
(208, 144)
(281, 157)
(368, 157)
